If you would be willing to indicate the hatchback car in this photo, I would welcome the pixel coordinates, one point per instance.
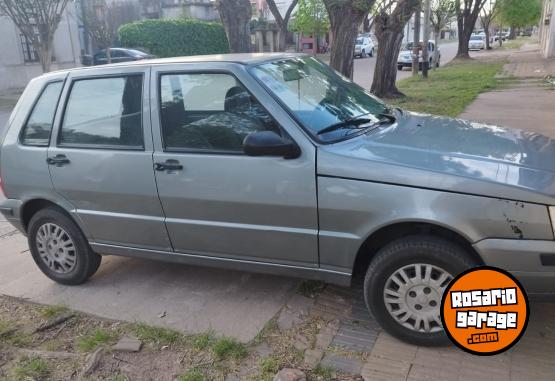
(274, 163)
(477, 42)
(404, 58)
(364, 47)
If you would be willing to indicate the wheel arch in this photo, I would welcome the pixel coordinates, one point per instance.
(386, 234)
(32, 206)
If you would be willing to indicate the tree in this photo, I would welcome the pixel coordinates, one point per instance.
(281, 22)
(519, 13)
(102, 18)
(311, 18)
(345, 18)
(235, 16)
(442, 13)
(37, 20)
(389, 26)
(488, 14)
(467, 14)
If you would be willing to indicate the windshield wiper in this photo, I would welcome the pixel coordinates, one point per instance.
(349, 123)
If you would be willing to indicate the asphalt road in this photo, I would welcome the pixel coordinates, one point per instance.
(364, 67)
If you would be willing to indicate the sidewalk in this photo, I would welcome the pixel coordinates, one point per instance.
(524, 99)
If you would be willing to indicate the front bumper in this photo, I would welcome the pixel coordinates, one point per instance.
(532, 262)
(10, 210)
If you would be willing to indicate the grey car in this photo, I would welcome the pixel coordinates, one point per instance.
(274, 163)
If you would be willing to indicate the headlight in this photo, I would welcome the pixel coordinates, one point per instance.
(552, 217)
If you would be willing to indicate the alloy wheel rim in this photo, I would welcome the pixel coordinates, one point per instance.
(56, 248)
(412, 296)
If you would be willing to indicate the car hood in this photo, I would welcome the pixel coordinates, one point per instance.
(448, 154)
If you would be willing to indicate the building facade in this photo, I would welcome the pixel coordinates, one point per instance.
(19, 62)
(547, 29)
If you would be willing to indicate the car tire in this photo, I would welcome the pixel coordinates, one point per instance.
(372, 52)
(436, 262)
(399, 67)
(60, 249)
(363, 54)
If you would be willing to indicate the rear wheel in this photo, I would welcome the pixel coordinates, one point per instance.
(399, 67)
(59, 248)
(405, 282)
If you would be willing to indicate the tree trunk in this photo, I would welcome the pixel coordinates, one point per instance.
(389, 32)
(486, 29)
(345, 17)
(45, 56)
(281, 22)
(425, 38)
(436, 41)
(466, 20)
(416, 42)
(512, 34)
(235, 16)
(385, 72)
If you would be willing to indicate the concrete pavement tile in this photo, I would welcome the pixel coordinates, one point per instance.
(432, 373)
(196, 299)
(348, 365)
(388, 347)
(382, 367)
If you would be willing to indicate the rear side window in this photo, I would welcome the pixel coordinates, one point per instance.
(36, 131)
(104, 112)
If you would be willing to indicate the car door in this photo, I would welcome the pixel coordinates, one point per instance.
(218, 201)
(100, 157)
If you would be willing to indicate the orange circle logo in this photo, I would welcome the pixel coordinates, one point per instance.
(485, 311)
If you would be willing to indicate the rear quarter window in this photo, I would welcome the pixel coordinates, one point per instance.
(37, 129)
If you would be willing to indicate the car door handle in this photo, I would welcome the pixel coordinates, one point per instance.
(169, 165)
(58, 160)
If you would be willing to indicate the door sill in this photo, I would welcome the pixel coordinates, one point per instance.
(328, 276)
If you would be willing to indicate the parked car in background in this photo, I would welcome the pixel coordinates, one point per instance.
(476, 42)
(364, 46)
(116, 55)
(274, 163)
(405, 56)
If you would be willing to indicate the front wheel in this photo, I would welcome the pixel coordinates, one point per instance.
(372, 52)
(405, 282)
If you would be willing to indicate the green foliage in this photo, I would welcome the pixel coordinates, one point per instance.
(173, 38)
(227, 347)
(31, 369)
(449, 89)
(520, 13)
(269, 366)
(97, 337)
(203, 341)
(311, 18)
(158, 335)
(193, 375)
(50, 312)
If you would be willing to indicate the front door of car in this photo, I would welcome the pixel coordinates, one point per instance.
(100, 157)
(218, 201)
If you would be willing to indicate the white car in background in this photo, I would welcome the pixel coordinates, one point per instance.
(477, 42)
(364, 46)
(405, 56)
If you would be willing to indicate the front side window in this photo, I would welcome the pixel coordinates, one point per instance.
(36, 131)
(104, 112)
(209, 112)
(318, 96)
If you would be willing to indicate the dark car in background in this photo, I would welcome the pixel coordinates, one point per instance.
(116, 55)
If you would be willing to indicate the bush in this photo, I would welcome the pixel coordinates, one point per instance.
(173, 38)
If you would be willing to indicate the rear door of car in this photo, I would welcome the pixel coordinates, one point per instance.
(219, 202)
(100, 157)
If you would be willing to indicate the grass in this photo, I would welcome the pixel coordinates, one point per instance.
(203, 341)
(97, 337)
(50, 312)
(227, 347)
(269, 366)
(157, 335)
(324, 373)
(193, 375)
(516, 43)
(449, 89)
(310, 288)
(31, 369)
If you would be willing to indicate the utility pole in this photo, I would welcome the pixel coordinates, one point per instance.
(426, 38)
(416, 41)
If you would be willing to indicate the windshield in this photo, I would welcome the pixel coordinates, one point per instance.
(360, 41)
(318, 96)
(474, 38)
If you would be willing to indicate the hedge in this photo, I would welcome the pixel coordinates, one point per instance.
(173, 38)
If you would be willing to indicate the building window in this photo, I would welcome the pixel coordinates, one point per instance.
(29, 52)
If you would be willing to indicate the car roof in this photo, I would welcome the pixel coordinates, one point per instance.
(238, 58)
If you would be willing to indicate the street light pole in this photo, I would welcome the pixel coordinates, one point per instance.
(426, 38)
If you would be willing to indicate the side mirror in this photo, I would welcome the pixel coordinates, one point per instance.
(268, 143)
